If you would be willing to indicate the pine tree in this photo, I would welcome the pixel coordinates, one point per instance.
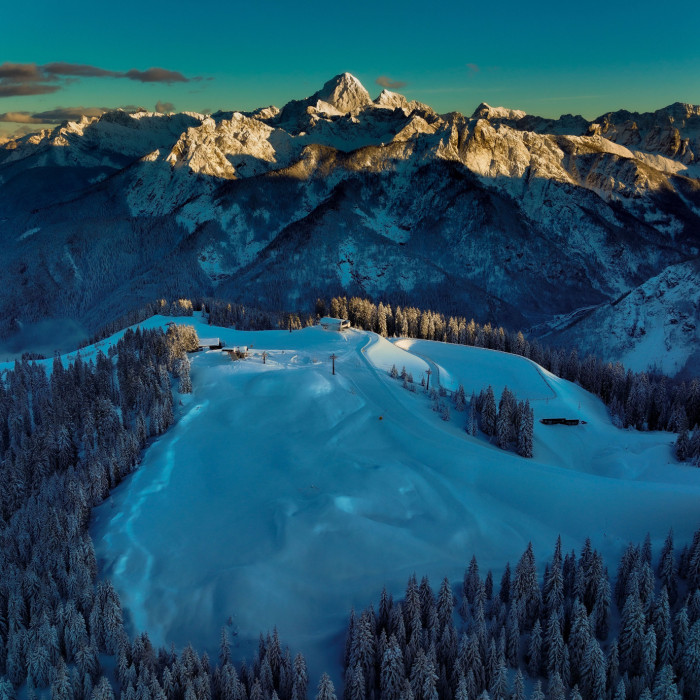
(535, 650)
(537, 693)
(61, 688)
(525, 591)
(512, 638)
(471, 426)
(632, 629)
(462, 693)
(499, 683)
(224, 647)
(691, 662)
(526, 430)
(363, 652)
(471, 581)
(601, 607)
(556, 689)
(504, 420)
(326, 691)
(103, 690)
(518, 687)
(649, 653)
(553, 593)
(555, 655)
(667, 570)
(355, 685)
(579, 638)
(423, 678)
(593, 670)
(445, 604)
(489, 413)
(612, 671)
(664, 685)
(393, 673)
(460, 400)
(682, 446)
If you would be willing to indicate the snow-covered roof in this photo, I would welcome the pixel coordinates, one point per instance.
(209, 341)
(330, 320)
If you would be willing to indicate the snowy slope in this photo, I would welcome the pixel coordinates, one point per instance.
(284, 495)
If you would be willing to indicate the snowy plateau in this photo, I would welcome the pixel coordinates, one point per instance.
(584, 232)
(283, 494)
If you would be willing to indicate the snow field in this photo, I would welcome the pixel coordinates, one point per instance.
(284, 495)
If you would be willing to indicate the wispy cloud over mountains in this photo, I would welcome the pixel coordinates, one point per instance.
(22, 79)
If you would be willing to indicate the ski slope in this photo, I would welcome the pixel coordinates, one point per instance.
(283, 495)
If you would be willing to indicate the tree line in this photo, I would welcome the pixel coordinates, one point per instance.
(639, 400)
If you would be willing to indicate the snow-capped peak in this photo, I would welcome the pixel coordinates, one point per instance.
(344, 92)
(485, 111)
(392, 100)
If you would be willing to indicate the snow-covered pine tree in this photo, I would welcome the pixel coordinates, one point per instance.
(393, 673)
(489, 413)
(665, 687)
(534, 654)
(525, 590)
(504, 419)
(632, 629)
(526, 429)
(459, 399)
(691, 662)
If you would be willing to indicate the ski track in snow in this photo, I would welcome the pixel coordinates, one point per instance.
(284, 496)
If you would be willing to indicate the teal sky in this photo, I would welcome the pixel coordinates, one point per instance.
(549, 59)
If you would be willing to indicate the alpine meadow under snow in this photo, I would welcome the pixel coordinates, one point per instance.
(284, 495)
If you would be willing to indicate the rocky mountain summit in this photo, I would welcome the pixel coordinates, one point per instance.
(503, 216)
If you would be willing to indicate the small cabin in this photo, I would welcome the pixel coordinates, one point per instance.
(562, 421)
(334, 324)
(237, 352)
(210, 344)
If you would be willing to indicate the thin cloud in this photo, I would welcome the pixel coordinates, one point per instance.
(62, 114)
(79, 70)
(58, 115)
(389, 84)
(24, 89)
(473, 67)
(19, 118)
(164, 107)
(156, 75)
(23, 79)
(20, 73)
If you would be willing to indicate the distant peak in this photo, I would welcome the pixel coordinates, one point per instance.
(344, 92)
(486, 111)
(387, 98)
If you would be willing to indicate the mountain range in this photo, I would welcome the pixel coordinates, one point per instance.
(583, 232)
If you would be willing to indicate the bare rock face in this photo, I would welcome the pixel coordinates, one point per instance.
(673, 131)
(503, 216)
